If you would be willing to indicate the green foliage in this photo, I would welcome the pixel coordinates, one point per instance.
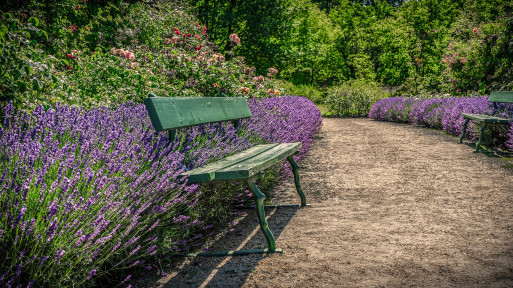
(309, 91)
(90, 54)
(259, 23)
(353, 98)
(309, 46)
(400, 44)
(480, 55)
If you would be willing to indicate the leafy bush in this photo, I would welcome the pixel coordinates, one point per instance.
(92, 55)
(88, 192)
(353, 98)
(309, 91)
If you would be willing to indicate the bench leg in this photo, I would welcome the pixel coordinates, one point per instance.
(260, 197)
(295, 169)
(464, 130)
(481, 130)
(271, 244)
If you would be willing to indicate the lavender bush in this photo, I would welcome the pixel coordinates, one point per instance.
(83, 192)
(428, 112)
(441, 113)
(396, 109)
(284, 120)
(452, 121)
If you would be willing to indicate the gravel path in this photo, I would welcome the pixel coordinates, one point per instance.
(392, 206)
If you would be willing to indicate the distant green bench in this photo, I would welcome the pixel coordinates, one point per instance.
(171, 113)
(485, 120)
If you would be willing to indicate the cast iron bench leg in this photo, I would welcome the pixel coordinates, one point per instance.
(481, 130)
(260, 197)
(271, 244)
(295, 169)
(464, 130)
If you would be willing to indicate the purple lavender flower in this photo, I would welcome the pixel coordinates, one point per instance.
(43, 260)
(127, 278)
(91, 274)
(51, 230)
(135, 250)
(180, 218)
(59, 255)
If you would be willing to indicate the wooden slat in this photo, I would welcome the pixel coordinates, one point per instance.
(257, 163)
(167, 113)
(486, 118)
(501, 97)
(207, 172)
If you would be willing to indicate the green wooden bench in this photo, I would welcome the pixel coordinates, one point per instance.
(485, 120)
(171, 113)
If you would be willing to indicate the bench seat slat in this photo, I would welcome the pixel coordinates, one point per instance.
(255, 164)
(486, 118)
(207, 173)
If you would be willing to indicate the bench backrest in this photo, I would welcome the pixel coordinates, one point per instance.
(170, 113)
(501, 97)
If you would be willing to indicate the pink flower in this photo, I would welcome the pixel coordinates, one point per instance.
(476, 31)
(235, 39)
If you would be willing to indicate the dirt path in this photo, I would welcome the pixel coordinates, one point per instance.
(392, 206)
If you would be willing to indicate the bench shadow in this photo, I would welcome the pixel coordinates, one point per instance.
(230, 271)
(490, 151)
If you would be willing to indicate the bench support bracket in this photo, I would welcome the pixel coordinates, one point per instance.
(478, 144)
(235, 252)
(295, 169)
(259, 201)
(464, 130)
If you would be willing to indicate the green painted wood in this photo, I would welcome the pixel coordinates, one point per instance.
(275, 206)
(486, 118)
(207, 173)
(167, 113)
(259, 202)
(478, 144)
(295, 169)
(501, 97)
(236, 252)
(464, 130)
(255, 164)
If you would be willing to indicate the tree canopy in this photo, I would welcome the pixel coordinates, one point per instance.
(426, 45)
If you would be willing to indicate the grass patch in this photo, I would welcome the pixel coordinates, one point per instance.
(322, 108)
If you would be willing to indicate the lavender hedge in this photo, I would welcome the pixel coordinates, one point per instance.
(441, 113)
(86, 192)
